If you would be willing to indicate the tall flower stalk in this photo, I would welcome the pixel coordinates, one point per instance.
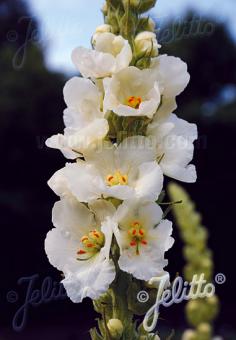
(121, 137)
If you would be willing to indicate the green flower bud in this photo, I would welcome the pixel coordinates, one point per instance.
(128, 24)
(132, 3)
(116, 328)
(140, 6)
(105, 9)
(112, 21)
(146, 5)
(145, 24)
(151, 25)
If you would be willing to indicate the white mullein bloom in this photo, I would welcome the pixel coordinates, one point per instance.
(143, 239)
(174, 147)
(79, 246)
(132, 92)
(123, 172)
(111, 54)
(84, 121)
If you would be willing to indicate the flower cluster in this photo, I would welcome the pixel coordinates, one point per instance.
(110, 187)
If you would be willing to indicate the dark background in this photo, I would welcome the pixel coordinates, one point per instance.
(31, 106)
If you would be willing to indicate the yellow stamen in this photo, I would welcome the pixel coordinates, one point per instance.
(117, 179)
(91, 244)
(134, 102)
(137, 234)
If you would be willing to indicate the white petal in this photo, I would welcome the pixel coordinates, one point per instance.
(150, 261)
(136, 150)
(122, 192)
(168, 105)
(148, 213)
(150, 181)
(89, 136)
(184, 128)
(59, 184)
(186, 174)
(116, 46)
(102, 158)
(178, 153)
(93, 64)
(151, 214)
(102, 209)
(73, 217)
(143, 266)
(60, 142)
(172, 73)
(83, 99)
(161, 236)
(84, 181)
(61, 250)
(92, 282)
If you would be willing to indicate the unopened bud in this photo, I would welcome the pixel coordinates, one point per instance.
(151, 25)
(105, 9)
(146, 44)
(132, 3)
(116, 328)
(146, 5)
(101, 29)
(140, 6)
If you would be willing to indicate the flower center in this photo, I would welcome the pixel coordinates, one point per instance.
(91, 244)
(137, 235)
(117, 179)
(134, 102)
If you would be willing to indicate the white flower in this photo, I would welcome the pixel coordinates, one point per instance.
(146, 44)
(174, 147)
(173, 77)
(111, 54)
(132, 92)
(80, 247)
(84, 121)
(144, 238)
(122, 172)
